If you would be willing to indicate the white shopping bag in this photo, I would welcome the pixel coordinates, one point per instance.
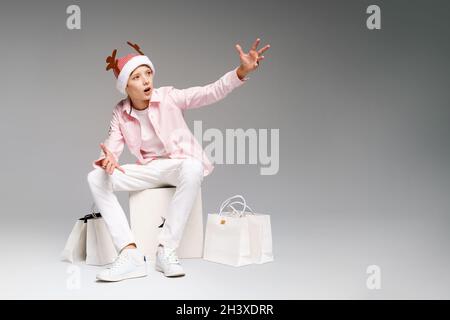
(100, 249)
(260, 231)
(238, 238)
(90, 241)
(75, 248)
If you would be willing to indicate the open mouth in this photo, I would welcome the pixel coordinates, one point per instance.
(147, 90)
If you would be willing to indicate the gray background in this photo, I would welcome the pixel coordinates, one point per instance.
(364, 128)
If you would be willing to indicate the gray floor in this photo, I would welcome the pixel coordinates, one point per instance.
(316, 259)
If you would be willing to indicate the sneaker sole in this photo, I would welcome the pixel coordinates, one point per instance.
(131, 275)
(174, 275)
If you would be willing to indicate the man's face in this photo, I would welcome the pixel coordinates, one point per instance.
(140, 83)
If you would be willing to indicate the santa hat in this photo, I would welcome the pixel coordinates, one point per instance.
(124, 66)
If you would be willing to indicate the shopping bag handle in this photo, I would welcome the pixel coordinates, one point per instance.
(95, 214)
(226, 202)
(92, 215)
(229, 203)
(244, 207)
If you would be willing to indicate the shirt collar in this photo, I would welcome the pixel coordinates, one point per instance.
(155, 99)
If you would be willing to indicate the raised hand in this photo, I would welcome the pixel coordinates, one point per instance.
(109, 163)
(250, 60)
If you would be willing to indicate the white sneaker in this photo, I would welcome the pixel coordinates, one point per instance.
(131, 263)
(167, 262)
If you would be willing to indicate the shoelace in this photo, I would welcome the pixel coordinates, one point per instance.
(119, 262)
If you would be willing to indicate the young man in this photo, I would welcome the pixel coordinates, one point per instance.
(150, 122)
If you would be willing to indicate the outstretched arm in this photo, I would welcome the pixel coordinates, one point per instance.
(250, 60)
(200, 96)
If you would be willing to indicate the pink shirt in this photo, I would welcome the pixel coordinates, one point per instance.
(151, 146)
(165, 111)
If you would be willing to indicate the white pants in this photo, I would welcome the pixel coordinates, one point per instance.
(185, 174)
